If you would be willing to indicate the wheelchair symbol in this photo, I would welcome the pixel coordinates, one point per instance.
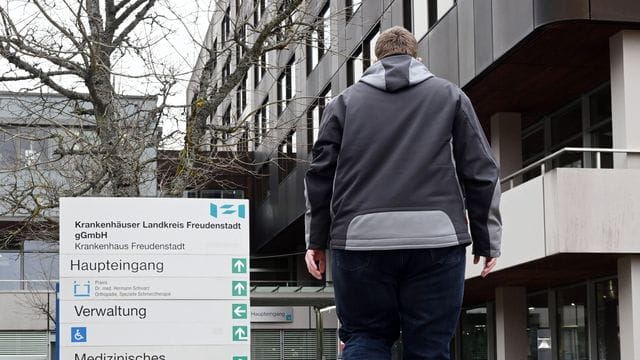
(78, 334)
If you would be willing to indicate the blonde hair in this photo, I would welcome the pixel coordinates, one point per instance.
(396, 41)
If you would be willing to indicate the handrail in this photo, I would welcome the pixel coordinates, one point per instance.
(44, 286)
(541, 163)
(286, 283)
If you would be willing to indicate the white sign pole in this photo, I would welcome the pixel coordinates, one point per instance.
(164, 279)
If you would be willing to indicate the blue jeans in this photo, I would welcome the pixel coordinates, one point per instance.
(379, 293)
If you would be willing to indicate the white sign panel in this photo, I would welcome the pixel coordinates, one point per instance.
(165, 279)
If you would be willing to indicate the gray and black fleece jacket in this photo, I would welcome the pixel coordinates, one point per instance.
(399, 162)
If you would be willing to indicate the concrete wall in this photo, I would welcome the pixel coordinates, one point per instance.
(21, 310)
(592, 210)
(569, 210)
(523, 238)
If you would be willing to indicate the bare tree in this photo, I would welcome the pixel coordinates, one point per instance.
(245, 39)
(70, 130)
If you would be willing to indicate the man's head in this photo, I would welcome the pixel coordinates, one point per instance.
(396, 41)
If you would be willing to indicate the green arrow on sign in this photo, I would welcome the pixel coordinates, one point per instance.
(240, 333)
(238, 266)
(240, 358)
(239, 288)
(239, 311)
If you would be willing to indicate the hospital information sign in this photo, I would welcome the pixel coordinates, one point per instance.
(154, 279)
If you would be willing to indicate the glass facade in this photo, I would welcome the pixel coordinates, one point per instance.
(607, 321)
(572, 323)
(10, 270)
(474, 334)
(538, 328)
(30, 265)
(585, 122)
(576, 322)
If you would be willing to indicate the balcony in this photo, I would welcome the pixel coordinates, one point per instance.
(569, 210)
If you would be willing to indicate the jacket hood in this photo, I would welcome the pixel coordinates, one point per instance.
(396, 72)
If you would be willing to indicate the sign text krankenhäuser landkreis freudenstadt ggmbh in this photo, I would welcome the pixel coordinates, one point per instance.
(154, 279)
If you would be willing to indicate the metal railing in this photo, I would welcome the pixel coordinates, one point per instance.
(40, 286)
(542, 163)
(288, 283)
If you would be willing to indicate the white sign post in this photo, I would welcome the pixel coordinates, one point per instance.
(154, 279)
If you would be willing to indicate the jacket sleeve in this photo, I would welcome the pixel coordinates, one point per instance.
(318, 181)
(479, 175)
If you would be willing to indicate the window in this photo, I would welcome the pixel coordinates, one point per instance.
(286, 86)
(607, 324)
(243, 144)
(572, 323)
(214, 59)
(35, 262)
(215, 194)
(313, 50)
(226, 124)
(351, 7)
(314, 116)
(226, 70)
(259, 9)
(241, 98)
(355, 67)
(326, 28)
(362, 58)
(282, 92)
(585, 122)
(257, 125)
(10, 263)
(287, 155)
(319, 40)
(602, 137)
(538, 328)
(426, 14)
(242, 41)
(220, 131)
(261, 123)
(293, 344)
(225, 26)
(567, 124)
(600, 130)
(23, 146)
(474, 336)
(262, 182)
(264, 121)
(40, 269)
(259, 70)
(285, 27)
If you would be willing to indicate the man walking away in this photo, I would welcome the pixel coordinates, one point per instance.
(399, 162)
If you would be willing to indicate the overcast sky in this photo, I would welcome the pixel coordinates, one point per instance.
(184, 24)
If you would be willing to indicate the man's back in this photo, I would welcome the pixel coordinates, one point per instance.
(397, 184)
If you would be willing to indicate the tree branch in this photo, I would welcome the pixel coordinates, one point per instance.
(127, 12)
(64, 31)
(43, 76)
(35, 76)
(132, 25)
